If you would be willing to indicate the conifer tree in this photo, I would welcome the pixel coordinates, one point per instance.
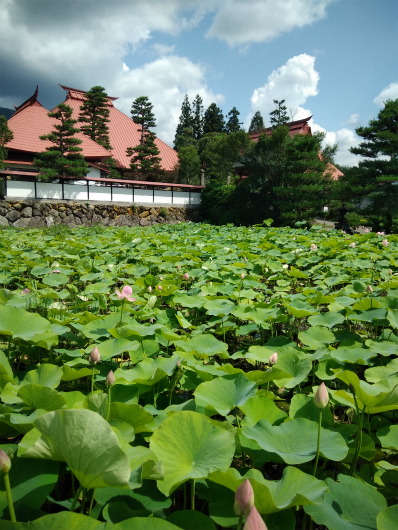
(184, 127)
(145, 156)
(213, 120)
(6, 135)
(257, 123)
(279, 115)
(63, 158)
(94, 113)
(197, 117)
(233, 124)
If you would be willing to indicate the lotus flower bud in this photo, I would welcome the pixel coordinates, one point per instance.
(160, 287)
(25, 291)
(273, 359)
(254, 521)
(245, 259)
(244, 498)
(242, 276)
(110, 378)
(385, 243)
(95, 356)
(321, 398)
(352, 245)
(369, 289)
(313, 246)
(149, 289)
(390, 272)
(55, 271)
(5, 462)
(161, 278)
(178, 267)
(186, 276)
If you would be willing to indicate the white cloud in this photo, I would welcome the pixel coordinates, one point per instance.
(294, 82)
(165, 81)
(344, 138)
(352, 120)
(389, 92)
(238, 22)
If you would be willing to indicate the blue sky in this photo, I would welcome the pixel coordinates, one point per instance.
(336, 60)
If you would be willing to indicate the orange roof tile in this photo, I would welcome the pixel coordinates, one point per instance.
(123, 132)
(31, 120)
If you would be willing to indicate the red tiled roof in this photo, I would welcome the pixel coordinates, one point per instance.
(295, 127)
(30, 121)
(123, 132)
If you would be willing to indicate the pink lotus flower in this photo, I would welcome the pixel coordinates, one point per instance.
(380, 233)
(178, 267)
(352, 245)
(5, 462)
(25, 291)
(149, 289)
(160, 287)
(242, 276)
(273, 359)
(321, 398)
(161, 278)
(254, 521)
(110, 378)
(126, 293)
(95, 356)
(186, 276)
(369, 288)
(313, 246)
(385, 243)
(55, 271)
(366, 231)
(244, 498)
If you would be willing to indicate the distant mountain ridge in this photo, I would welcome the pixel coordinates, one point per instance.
(6, 112)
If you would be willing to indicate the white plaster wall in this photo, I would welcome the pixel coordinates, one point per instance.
(21, 189)
(122, 195)
(163, 197)
(47, 190)
(75, 192)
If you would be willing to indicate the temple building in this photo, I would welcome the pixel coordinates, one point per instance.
(30, 121)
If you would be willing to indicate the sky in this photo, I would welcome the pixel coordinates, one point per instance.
(334, 60)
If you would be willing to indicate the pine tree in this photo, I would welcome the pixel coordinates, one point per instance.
(371, 187)
(257, 123)
(95, 114)
(213, 121)
(197, 117)
(279, 115)
(141, 113)
(63, 158)
(184, 127)
(233, 124)
(6, 135)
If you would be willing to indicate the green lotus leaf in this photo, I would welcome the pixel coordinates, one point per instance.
(327, 368)
(71, 374)
(316, 337)
(191, 520)
(55, 280)
(223, 394)
(114, 347)
(134, 415)
(383, 373)
(22, 423)
(31, 482)
(387, 518)
(100, 327)
(6, 375)
(186, 300)
(45, 374)
(329, 320)
(41, 397)
(349, 505)
(219, 307)
(21, 324)
(300, 309)
(352, 355)
(298, 370)
(295, 441)
(82, 439)
(295, 488)
(260, 407)
(207, 345)
(303, 406)
(388, 437)
(373, 398)
(369, 315)
(384, 347)
(190, 446)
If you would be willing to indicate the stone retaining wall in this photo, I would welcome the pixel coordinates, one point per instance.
(38, 214)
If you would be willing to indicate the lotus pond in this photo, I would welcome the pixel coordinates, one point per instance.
(147, 408)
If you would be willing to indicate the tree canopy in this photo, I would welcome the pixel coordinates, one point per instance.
(6, 135)
(94, 115)
(63, 158)
(213, 120)
(257, 123)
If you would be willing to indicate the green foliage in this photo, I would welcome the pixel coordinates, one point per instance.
(95, 114)
(189, 165)
(184, 131)
(145, 156)
(370, 187)
(213, 120)
(279, 116)
(233, 124)
(63, 158)
(216, 203)
(197, 407)
(257, 123)
(6, 135)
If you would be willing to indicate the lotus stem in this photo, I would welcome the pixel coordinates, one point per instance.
(92, 381)
(193, 494)
(9, 497)
(72, 508)
(108, 410)
(91, 502)
(358, 446)
(318, 443)
(239, 527)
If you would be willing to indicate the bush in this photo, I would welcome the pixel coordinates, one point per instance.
(216, 203)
